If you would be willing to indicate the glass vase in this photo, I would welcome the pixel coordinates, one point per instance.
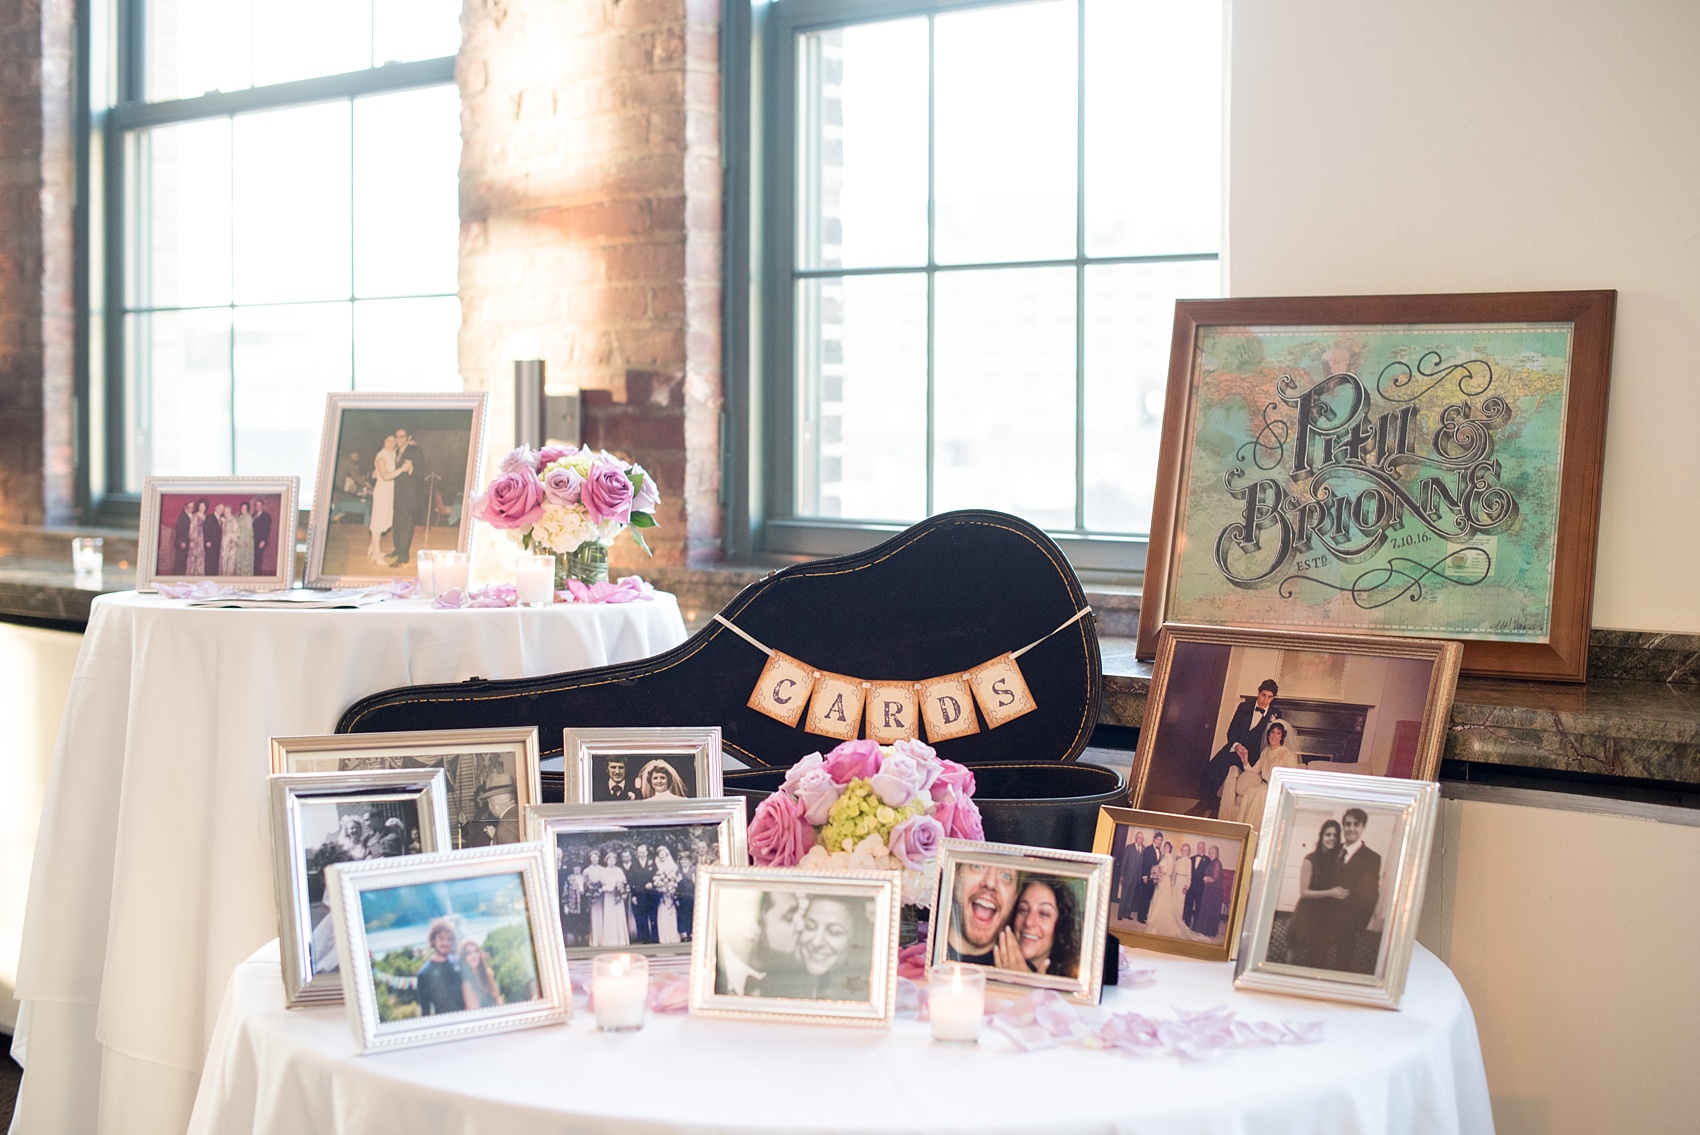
(588, 564)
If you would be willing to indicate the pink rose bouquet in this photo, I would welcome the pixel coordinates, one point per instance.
(560, 498)
(866, 806)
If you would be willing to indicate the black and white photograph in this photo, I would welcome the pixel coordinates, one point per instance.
(447, 945)
(238, 531)
(638, 764)
(492, 773)
(1031, 916)
(343, 817)
(797, 944)
(1338, 882)
(1178, 880)
(396, 472)
(1227, 708)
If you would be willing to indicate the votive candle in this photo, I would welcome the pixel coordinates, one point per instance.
(534, 580)
(87, 555)
(956, 1002)
(619, 990)
(450, 571)
(424, 564)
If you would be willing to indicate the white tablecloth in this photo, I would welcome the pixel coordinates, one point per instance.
(274, 1071)
(152, 876)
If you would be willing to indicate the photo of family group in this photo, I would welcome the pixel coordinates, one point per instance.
(348, 831)
(1332, 883)
(1028, 922)
(632, 887)
(1230, 715)
(394, 478)
(1175, 883)
(643, 776)
(221, 534)
(450, 946)
(796, 944)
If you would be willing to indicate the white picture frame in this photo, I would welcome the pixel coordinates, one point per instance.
(161, 501)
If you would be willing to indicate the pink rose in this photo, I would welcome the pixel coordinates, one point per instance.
(562, 486)
(899, 780)
(513, 500)
(957, 814)
(915, 841)
(917, 748)
(648, 495)
(796, 771)
(817, 792)
(779, 835)
(954, 776)
(520, 459)
(607, 494)
(550, 454)
(853, 759)
(604, 457)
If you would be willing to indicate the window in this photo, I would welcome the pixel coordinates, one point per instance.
(280, 219)
(978, 222)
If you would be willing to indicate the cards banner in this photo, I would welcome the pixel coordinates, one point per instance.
(845, 707)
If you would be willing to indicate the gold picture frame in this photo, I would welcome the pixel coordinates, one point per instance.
(484, 768)
(754, 954)
(1131, 896)
(1369, 704)
(1006, 871)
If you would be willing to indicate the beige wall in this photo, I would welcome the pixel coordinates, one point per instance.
(1574, 938)
(1493, 145)
(35, 679)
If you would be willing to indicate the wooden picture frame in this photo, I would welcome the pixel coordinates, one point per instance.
(1354, 703)
(273, 543)
(1422, 465)
(447, 432)
(1138, 914)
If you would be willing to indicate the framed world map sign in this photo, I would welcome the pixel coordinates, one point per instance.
(1410, 465)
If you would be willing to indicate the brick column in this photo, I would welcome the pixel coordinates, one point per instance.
(36, 455)
(591, 222)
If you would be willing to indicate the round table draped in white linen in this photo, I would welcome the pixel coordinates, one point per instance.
(277, 1071)
(152, 875)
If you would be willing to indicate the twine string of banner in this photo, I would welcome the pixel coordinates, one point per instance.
(838, 704)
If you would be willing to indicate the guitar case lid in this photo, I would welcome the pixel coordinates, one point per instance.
(939, 598)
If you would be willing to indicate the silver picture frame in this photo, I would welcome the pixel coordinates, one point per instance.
(730, 922)
(482, 766)
(301, 939)
(1400, 815)
(586, 752)
(1089, 872)
(352, 883)
(154, 491)
(396, 406)
(544, 823)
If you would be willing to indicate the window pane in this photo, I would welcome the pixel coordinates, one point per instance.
(404, 30)
(297, 39)
(180, 381)
(1004, 377)
(291, 188)
(1006, 109)
(196, 46)
(407, 344)
(407, 192)
(862, 368)
(182, 237)
(1153, 128)
(862, 177)
(1130, 312)
(286, 359)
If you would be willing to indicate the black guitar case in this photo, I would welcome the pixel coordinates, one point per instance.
(941, 597)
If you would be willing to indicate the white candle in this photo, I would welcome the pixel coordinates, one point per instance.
(956, 1002)
(424, 563)
(86, 555)
(619, 989)
(450, 572)
(534, 580)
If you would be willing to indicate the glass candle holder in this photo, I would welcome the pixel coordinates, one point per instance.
(87, 556)
(450, 572)
(956, 1002)
(619, 990)
(424, 564)
(534, 580)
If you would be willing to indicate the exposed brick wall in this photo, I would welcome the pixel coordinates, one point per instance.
(35, 261)
(591, 219)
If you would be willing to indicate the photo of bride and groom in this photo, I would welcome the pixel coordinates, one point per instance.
(1174, 883)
